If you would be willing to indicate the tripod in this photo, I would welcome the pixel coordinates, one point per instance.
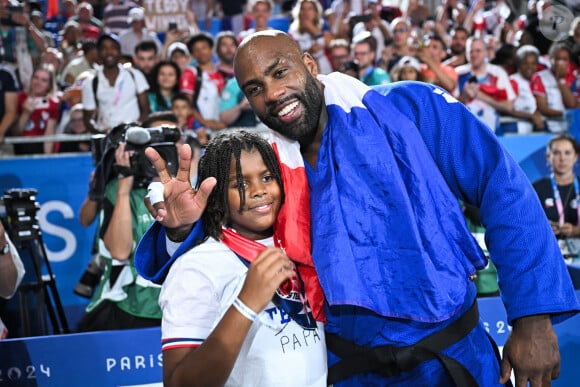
(21, 209)
(43, 290)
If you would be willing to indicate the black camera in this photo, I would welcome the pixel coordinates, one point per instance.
(137, 138)
(21, 213)
(91, 277)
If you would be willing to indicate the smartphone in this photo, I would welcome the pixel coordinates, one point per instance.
(172, 26)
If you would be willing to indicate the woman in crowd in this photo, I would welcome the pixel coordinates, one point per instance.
(407, 69)
(38, 110)
(559, 193)
(166, 74)
(308, 30)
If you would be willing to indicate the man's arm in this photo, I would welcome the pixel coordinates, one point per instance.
(11, 267)
(118, 237)
(535, 284)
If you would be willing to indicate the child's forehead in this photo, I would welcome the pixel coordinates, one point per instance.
(180, 103)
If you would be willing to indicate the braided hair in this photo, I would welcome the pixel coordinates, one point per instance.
(216, 162)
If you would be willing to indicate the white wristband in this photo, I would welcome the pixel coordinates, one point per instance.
(245, 310)
(155, 192)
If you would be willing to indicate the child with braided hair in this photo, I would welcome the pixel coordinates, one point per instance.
(226, 320)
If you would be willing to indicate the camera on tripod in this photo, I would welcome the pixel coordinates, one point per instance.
(137, 138)
(21, 213)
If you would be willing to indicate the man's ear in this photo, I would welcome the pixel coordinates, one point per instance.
(311, 64)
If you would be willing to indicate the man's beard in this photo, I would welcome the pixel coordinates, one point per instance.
(304, 129)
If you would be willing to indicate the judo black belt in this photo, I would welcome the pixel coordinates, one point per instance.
(389, 361)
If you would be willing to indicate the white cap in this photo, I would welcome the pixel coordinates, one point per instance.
(409, 61)
(136, 14)
(177, 46)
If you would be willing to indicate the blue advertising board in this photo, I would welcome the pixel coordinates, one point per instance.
(133, 357)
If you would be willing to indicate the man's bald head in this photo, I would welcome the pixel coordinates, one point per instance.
(274, 40)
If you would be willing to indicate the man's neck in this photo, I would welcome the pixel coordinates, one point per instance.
(111, 73)
(207, 66)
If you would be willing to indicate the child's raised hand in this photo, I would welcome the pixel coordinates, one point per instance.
(181, 205)
(268, 271)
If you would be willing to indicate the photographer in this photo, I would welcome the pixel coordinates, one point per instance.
(11, 271)
(122, 300)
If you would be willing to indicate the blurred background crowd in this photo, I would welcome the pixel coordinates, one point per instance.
(71, 67)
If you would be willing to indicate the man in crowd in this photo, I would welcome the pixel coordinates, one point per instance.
(364, 48)
(146, 57)
(389, 242)
(114, 94)
(432, 69)
(136, 33)
(484, 87)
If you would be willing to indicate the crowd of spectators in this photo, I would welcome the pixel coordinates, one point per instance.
(491, 55)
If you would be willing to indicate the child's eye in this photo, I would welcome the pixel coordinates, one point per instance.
(268, 178)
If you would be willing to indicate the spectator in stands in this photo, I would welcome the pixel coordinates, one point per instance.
(450, 14)
(52, 56)
(136, 33)
(483, 87)
(552, 89)
(338, 52)
(235, 111)
(350, 67)
(89, 24)
(364, 48)
(76, 126)
(200, 10)
(374, 23)
(307, 28)
(71, 96)
(203, 84)
(87, 62)
(179, 54)
(401, 30)
(122, 299)
(38, 112)
(37, 19)
(114, 94)
(181, 107)
(226, 45)
(232, 12)
(560, 193)
(165, 76)
(432, 70)
(145, 57)
(457, 55)
(261, 11)
(11, 271)
(526, 115)
(407, 68)
(8, 99)
(17, 34)
(71, 43)
(115, 15)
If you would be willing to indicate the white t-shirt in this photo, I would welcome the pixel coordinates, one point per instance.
(544, 84)
(117, 103)
(201, 286)
(524, 102)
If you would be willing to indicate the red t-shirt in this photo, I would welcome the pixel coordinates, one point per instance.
(47, 108)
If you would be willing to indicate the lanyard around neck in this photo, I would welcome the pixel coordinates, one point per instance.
(558, 199)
